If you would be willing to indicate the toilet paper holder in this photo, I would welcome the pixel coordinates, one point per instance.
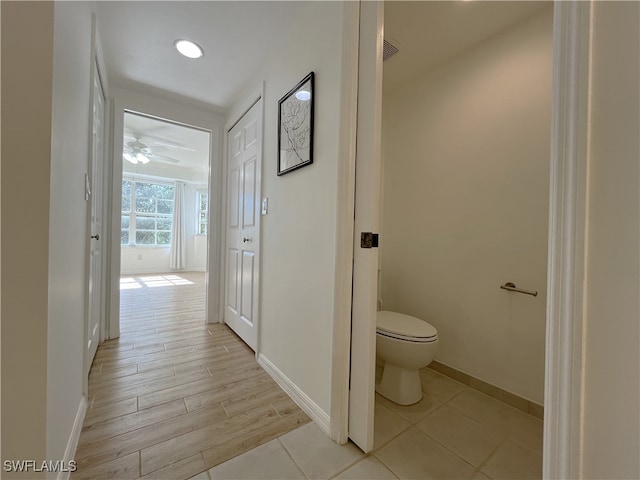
(512, 288)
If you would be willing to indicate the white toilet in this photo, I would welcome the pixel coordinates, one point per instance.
(405, 344)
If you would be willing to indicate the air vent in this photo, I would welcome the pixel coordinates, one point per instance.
(388, 50)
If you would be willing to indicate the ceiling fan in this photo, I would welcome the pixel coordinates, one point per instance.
(137, 152)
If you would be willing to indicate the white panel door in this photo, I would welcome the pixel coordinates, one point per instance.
(244, 159)
(95, 195)
(367, 219)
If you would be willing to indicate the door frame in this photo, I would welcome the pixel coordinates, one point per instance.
(567, 240)
(94, 185)
(366, 219)
(163, 109)
(97, 60)
(233, 118)
(345, 225)
(255, 300)
(567, 228)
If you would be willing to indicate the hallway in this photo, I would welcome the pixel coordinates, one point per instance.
(173, 397)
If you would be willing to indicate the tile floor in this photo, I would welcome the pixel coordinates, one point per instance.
(455, 432)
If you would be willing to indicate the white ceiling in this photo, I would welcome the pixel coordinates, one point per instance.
(429, 33)
(137, 40)
(172, 145)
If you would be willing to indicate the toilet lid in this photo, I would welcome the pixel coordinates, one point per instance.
(403, 326)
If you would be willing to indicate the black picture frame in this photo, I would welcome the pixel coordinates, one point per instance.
(295, 126)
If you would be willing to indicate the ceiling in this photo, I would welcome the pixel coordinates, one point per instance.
(138, 36)
(137, 41)
(172, 145)
(428, 33)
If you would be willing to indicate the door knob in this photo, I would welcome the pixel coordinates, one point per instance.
(96, 236)
(246, 239)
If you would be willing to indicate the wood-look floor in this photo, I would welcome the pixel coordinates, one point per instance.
(173, 397)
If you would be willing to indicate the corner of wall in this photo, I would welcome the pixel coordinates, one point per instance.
(317, 414)
(27, 71)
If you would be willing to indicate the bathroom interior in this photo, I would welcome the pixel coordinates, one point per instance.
(466, 123)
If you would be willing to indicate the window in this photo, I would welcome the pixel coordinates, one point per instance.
(203, 212)
(147, 213)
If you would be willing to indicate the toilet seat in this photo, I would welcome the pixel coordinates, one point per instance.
(404, 327)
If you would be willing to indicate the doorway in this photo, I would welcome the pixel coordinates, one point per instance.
(164, 214)
(397, 284)
(472, 150)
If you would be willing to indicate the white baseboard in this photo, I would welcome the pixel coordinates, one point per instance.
(319, 416)
(72, 444)
(160, 271)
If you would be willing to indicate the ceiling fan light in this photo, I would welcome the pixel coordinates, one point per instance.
(130, 158)
(188, 48)
(142, 158)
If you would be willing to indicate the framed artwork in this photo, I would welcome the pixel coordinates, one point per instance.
(295, 127)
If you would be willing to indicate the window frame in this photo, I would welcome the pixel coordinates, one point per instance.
(133, 214)
(199, 193)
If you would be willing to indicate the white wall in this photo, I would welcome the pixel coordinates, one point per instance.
(139, 260)
(611, 371)
(46, 78)
(298, 234)
(68, 233)
(466, 153)
(27, 72)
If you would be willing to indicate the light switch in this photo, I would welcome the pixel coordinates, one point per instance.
(265, 204)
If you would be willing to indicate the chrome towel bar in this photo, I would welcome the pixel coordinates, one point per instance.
(512, 288)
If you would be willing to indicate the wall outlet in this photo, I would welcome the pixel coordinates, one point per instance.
(139, 256)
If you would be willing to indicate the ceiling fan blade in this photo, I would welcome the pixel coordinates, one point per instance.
(165, 158)
(162, 144)
(174, 145)
(157, 148)
(162, 140)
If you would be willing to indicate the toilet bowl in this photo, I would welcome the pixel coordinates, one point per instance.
(405, 344)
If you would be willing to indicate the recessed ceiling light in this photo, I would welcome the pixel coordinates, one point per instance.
(189, 49)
